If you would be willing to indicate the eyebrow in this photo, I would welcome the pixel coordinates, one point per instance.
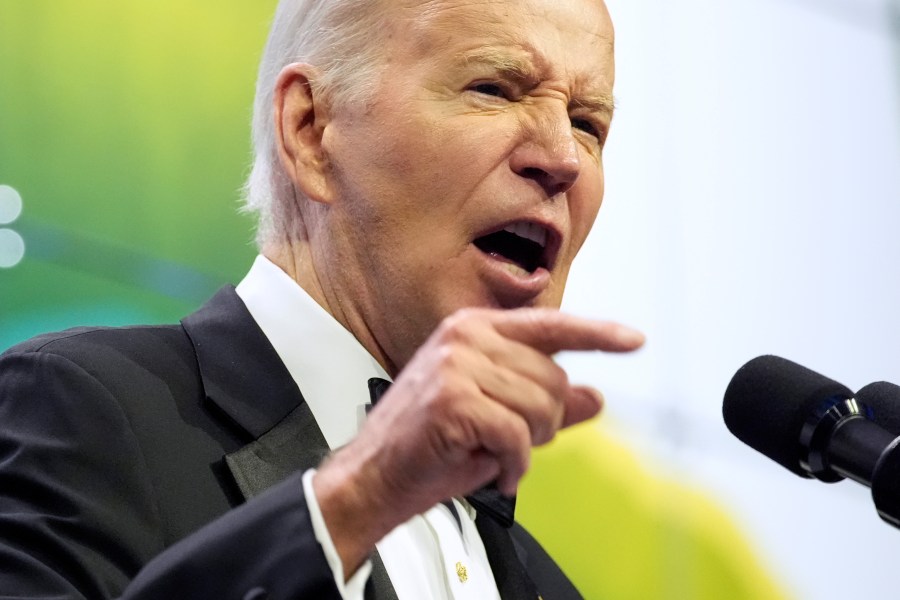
(522, 67)
(504, 62)
(601, 103)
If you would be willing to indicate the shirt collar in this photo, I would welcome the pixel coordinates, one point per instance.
(326, 361)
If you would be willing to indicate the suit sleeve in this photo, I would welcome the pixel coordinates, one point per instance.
(78, 515)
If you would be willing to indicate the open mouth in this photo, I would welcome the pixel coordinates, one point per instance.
(522, 243)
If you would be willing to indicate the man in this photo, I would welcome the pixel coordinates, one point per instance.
(425, 174)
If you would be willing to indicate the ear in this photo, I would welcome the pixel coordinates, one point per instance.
(300, 119)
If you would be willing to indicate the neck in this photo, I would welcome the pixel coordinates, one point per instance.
(297, 261)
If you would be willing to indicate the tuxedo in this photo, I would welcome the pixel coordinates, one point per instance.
(166, 462)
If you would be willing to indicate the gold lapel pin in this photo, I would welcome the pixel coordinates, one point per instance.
(461, 572)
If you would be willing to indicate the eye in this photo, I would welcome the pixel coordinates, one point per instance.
(587, 126)
(490, 89)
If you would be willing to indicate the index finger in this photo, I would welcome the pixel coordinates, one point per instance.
(551, 331)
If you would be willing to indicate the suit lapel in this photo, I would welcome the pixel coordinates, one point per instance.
(379, 586)
(242, 374)
(296, 443)
(245, 379)
(507, 561)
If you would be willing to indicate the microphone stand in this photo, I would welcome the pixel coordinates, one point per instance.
(842, 442)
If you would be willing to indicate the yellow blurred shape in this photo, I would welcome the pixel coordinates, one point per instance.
(621, 531)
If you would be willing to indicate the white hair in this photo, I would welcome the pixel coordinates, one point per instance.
(338, 37)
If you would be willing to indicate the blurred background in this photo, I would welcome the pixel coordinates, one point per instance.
(752, 205)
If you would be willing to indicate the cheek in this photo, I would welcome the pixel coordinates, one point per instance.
(439, 172)
(411, 159)
(585, 206)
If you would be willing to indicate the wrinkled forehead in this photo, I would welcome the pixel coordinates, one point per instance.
(570, 34)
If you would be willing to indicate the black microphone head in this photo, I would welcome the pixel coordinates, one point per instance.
(883, 399)
(768, 402)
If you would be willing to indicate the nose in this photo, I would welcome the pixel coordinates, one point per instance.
(548, 154)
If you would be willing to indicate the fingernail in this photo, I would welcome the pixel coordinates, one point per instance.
(633, 337)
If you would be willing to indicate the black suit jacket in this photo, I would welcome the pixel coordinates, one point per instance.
(164, 462)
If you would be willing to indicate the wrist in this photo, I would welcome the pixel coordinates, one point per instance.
(354, 507)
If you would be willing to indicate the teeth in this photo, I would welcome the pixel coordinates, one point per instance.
(530, 231)
(516, 270)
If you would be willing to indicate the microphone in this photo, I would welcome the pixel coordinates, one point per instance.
(884, 400)
(816, 427)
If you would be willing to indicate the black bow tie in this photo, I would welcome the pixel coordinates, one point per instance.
(488, 500)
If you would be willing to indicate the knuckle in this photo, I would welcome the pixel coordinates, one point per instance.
(451, 365)
(549, 411)
(450, 390)
(504, 378)
(543, 320)
(521, 438)
(445, 384)
(558, 379)
(447, 358)
(462, 325)
(558, 375)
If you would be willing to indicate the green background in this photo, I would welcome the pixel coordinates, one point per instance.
(125, 128)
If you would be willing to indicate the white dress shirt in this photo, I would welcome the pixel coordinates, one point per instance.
(431, 556)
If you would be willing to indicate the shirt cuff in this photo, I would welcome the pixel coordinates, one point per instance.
(353, 588)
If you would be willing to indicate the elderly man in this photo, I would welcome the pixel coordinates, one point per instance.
(426, 172)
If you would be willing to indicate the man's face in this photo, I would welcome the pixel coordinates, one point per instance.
(474, 174)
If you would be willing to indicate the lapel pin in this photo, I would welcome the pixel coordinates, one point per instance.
(461, 572)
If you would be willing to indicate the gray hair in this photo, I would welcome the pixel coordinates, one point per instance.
(339, 37)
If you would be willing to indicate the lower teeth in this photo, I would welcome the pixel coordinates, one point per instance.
(516, 269)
